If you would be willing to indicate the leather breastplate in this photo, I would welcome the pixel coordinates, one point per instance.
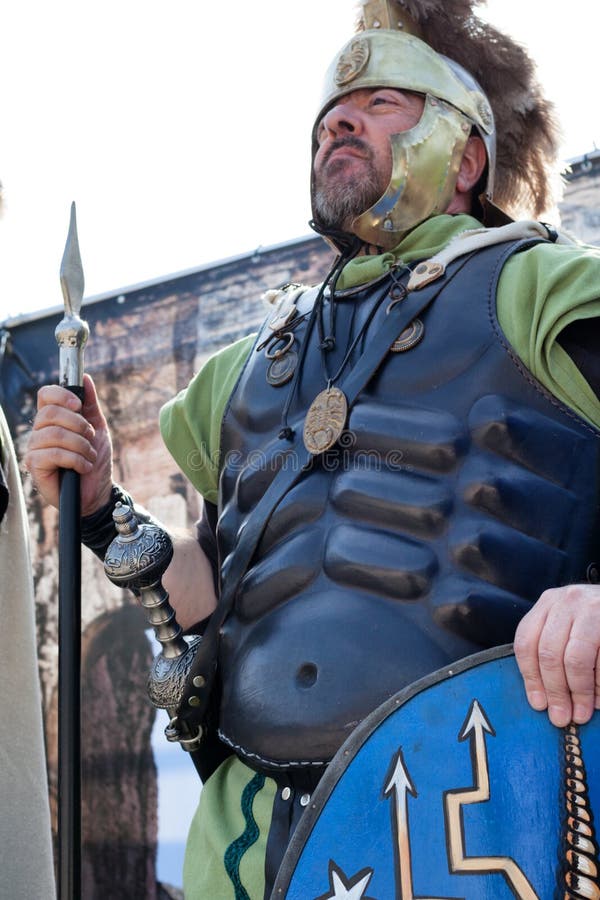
(460, 491)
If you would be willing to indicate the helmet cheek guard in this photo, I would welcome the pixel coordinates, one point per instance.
(425, 165)
(426, 159)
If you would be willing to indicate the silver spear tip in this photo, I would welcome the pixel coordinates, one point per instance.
(72, 332)
(71, 270)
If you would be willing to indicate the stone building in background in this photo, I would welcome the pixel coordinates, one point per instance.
(580, 209)
(146, 343)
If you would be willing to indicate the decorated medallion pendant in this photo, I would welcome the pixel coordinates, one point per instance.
(325, 420)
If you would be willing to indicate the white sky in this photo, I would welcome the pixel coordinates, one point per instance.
(181, 129)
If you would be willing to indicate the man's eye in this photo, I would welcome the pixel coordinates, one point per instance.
(380, 99)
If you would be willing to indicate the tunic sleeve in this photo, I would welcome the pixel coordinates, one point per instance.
(545, 295)
(190, 423)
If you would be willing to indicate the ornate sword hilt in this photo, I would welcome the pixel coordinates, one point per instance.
(137, 559)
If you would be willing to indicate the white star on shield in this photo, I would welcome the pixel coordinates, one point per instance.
(342, 888)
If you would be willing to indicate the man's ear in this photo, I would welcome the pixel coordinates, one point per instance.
(472, 165)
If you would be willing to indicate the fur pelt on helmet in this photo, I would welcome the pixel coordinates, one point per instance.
(528, 136)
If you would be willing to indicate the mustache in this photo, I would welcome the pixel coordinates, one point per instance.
(349, 141)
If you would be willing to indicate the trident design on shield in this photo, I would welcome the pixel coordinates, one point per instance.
(580, 871)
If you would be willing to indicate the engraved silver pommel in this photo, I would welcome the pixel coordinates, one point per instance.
(140, 554)
(137, 559)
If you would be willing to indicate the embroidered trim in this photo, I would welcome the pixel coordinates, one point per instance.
(235, 851)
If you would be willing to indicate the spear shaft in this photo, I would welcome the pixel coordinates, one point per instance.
(71, 336)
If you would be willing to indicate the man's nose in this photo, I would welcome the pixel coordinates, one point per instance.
(343, 118)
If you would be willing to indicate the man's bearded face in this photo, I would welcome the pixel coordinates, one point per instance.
(353, 162)
(347, 184)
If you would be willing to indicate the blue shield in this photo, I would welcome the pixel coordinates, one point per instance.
(454, 789)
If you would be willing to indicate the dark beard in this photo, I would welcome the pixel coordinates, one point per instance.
(337, 202)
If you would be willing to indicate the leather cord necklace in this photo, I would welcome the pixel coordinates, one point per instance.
(316, 312)
(327, 414)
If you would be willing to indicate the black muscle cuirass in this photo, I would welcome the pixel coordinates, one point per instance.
(460, 491)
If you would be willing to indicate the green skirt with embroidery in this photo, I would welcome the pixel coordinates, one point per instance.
(227, 841)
